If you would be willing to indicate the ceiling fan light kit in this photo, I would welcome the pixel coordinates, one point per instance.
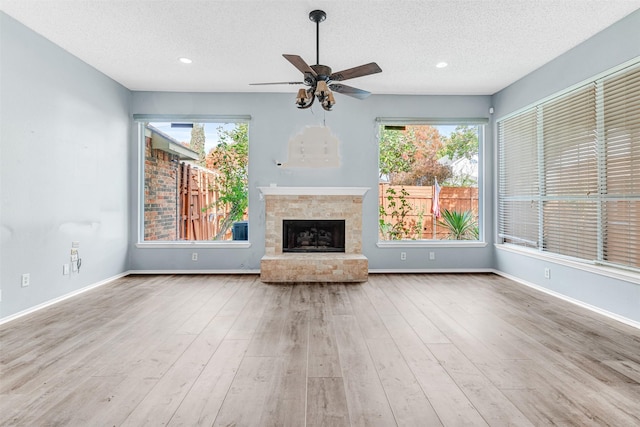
(321, 80)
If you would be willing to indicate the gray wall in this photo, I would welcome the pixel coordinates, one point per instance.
(64, 170)
(609, 48)
(274, 121)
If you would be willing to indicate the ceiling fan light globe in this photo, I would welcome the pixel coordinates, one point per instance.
(321, 89)
(329, 101)
(302, 98)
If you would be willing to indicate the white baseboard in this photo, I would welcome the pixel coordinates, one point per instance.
(582, 304)
(61, 298)
(244, 271)
(430, 270)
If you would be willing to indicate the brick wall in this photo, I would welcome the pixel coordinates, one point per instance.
(160, 194)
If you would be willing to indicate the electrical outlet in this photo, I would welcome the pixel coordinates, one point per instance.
(65, 269)
(26, 280)
(432, 256)
(75, 258)
(403, 256)
(194, 256)
(547, 273)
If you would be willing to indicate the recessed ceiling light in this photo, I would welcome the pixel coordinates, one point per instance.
(441, 64)
(185, 60)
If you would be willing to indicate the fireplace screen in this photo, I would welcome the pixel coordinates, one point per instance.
(312, 235)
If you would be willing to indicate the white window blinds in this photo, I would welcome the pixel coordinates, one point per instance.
(569, 173)
(518, 188)
(570, 178)
(621, 176)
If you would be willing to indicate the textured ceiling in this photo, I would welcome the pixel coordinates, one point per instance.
(488, 44)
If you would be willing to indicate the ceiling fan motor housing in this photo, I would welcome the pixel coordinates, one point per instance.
(322, 71)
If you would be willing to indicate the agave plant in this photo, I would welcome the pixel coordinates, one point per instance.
(461, 225)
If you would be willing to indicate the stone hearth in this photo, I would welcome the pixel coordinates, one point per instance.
(313, 203)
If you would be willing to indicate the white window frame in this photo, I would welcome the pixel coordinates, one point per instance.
(140, 119)
(433, 243)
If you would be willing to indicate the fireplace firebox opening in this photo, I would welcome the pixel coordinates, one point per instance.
(310, 235)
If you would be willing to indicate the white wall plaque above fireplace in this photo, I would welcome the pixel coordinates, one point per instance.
(314, 147)
(314, 204)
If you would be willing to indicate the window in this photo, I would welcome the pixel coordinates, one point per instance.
(194, 180)
(428, 180)
(569, 173)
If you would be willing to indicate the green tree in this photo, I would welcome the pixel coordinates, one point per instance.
(463, 142)
(396, 152)
(230, 158)
(408, 156)
(425, 167)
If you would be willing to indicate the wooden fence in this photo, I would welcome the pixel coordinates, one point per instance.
(198, 217)
(420, 199)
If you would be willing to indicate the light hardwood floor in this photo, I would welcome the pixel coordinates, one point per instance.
(407, 350)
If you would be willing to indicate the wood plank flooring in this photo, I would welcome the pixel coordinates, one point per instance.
(405, 349)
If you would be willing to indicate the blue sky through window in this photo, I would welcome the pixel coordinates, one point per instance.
(184, 134)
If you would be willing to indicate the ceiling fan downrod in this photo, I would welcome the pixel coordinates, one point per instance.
(317, 16)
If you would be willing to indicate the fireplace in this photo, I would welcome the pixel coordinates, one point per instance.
(318, 211)
(312, 235)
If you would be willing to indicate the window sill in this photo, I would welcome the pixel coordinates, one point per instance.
(193, 245)
(431, 244)
(612, 272)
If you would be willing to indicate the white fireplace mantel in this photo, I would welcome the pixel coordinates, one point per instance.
(313, 191)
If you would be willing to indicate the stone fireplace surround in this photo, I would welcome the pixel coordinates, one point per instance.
(313, 203)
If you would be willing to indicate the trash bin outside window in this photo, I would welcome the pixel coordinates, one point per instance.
(240, 230)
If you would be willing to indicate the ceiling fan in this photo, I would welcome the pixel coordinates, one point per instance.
(320, 79)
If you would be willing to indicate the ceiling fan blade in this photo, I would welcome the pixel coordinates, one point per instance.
(299, 63)
(348, 90)
(352, 73)
(276, 83)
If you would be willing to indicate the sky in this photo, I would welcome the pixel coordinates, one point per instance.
(184, 134)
